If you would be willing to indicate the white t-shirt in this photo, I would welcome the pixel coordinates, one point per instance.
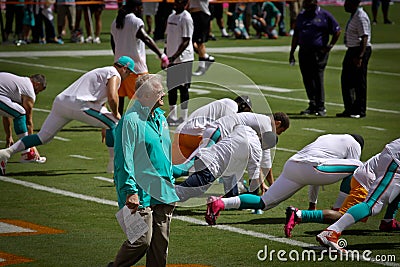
(200, 4)
(198, 119)
(258, 122)
(365, 174)
(329, 146)
(92, 86)
(178, 26)
(14, 87)
(126, 43)
(239, 150)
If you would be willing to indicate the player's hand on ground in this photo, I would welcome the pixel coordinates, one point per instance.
(264, 188)
(9, 141)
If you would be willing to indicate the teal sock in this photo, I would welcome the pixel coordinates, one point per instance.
(360, 211)
(250, 201)
(312, 216)
(31, 140)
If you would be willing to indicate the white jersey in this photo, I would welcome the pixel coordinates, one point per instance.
(179, 26)
(258, 122)
(91, 87)
(329, 146)
(14, 87)
(198, 119)
(393, 149)
(365, 174)
(126, 43)
(233, 154)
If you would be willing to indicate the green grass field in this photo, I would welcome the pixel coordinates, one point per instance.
(66, 192)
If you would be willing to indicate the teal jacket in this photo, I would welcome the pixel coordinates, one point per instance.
(142, 160)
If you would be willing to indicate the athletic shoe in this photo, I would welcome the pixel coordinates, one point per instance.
(31, 157)
(3, 165)
(214, 206)
(291, 220)
(5, 154)
(308, 111)
(329, 239)
(199, 72)
(393, 225)
(89, 39)
(257, 212)
(172, 122)
(97, 40)
(321, 113)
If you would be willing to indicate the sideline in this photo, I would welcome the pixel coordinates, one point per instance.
(218, 50)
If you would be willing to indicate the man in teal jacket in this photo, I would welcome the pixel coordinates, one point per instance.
(143, 172)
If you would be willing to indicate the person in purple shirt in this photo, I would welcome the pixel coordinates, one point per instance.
(314, 26)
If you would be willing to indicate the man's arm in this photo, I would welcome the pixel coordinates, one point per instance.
(28, 104)
(363, 46)
(142, 35)
(8, 131)
(112, 95)
(185, 42)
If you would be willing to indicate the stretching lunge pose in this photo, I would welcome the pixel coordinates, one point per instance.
(82, 101)
(327, 160)
(384, 190)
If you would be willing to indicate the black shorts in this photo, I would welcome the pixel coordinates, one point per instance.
(216, 10)
(201, 27)
(179, 74)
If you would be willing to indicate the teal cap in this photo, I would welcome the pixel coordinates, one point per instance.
(127, 62)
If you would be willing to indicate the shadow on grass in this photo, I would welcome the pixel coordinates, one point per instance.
(188, 212)
(262, 221)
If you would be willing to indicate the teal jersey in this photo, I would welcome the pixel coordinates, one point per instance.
(142, 161)
(271, 13)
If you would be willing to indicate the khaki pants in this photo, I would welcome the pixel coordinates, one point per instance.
(153, 244)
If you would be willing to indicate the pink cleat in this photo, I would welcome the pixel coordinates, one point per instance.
(31, 156)
(3, 165)
(291, 220)
(214, 206)
(393, 225)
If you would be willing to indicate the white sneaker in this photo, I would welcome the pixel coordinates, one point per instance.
(5, 154)
(3, 165)
(97, 40)
(89, 39)
(31, 157)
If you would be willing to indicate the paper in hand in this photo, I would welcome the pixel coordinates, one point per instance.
(133, 225)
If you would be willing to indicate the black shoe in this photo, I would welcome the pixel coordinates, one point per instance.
(308, 111)
(321, 113)
(388, 21)
(343, 115)
(212, 37)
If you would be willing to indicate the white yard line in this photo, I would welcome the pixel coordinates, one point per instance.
(80, 157)
(105, 179)
(314, 130)
(282, 240)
